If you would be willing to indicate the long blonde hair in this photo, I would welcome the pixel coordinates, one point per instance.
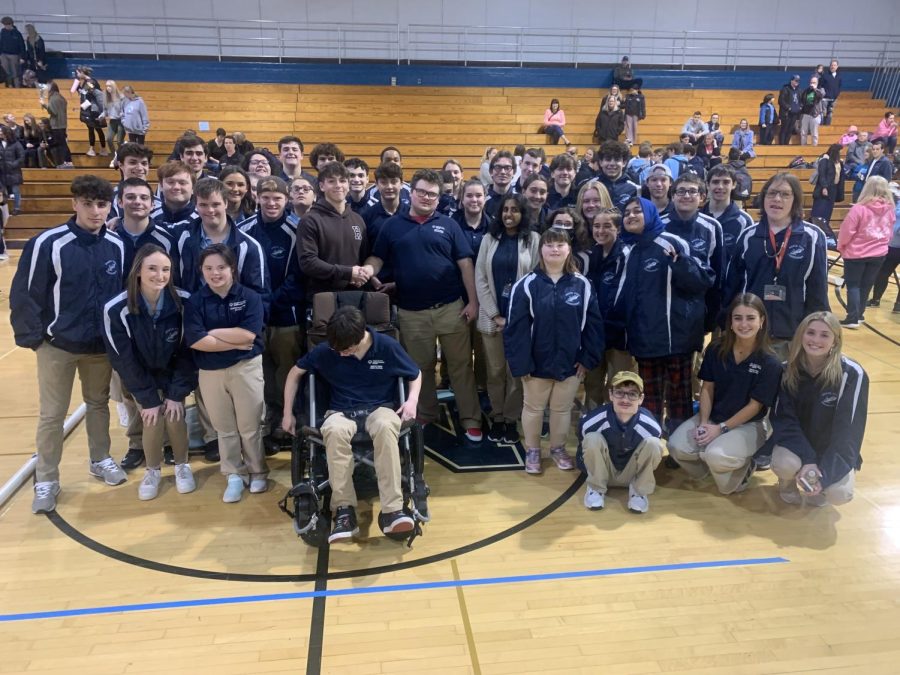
(876, 187)
(116, 95)
(831, 374)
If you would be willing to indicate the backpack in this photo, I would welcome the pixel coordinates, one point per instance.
(744, 183)
(797, 163)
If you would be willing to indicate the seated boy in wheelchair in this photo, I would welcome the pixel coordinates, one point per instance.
(361, 366)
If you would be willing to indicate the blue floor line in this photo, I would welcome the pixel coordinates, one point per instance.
(487, 581)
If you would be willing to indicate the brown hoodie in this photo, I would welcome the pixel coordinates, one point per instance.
(329, 245)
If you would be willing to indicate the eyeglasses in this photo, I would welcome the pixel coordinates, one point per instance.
(425, 194)
(302, 189)
(507, 168)
(780, 194)
(257, 162)
(630, 395)
(687, 192)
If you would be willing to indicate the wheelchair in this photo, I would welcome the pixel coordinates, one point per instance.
(307, 503)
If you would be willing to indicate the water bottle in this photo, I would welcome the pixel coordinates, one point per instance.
(808, 481)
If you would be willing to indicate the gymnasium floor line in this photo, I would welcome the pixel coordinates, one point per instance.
(393, 588)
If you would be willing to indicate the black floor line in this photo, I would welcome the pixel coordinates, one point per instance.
(78, 536)
(317, 619)
(837, 294)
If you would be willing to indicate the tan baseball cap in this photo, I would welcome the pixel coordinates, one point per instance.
(626, 376)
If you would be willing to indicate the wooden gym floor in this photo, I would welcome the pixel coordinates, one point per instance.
(513, 575)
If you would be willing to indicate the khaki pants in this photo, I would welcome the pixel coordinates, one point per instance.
(504, 390)
(418, 332)
(282, 349)
(56, 375)
(809, 129)
(638, 473)
(781, 349)
(539, 393)
(786, 465)
(383, 425)
(154, 438)
(135, 429)
(727, 458)
(597, 381)
(234, 401)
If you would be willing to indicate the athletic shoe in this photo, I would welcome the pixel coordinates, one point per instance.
(91, 153)
(168, 455)
(474, 434)
(533, 461)
(873, 303)
(345, 526)
(396, 522)
(211, 451)
(637, 503)
(848, 323)
(745, 483)
(593, 500)
(45, 496)
(108, 471)
(562, 459)
(4, 256)
(184, 478)
(104, 152)
(149, 487)
(112, 164)
(788, 492)
(258, 485)
(271, 446)
(496, 432)
(511, 433)
(132, 459)
(234, 489)
(762, 463)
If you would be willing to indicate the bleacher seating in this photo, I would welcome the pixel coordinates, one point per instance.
(429, 125)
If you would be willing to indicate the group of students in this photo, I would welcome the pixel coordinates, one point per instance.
(552, 282)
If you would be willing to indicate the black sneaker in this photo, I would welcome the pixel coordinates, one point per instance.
(496, 432)
(211, 452)
(850, 323)
(271, 446)
(396, 523)
(511, 433)
(873, 303)
(345, 526)
(132, 459)
(169, 455)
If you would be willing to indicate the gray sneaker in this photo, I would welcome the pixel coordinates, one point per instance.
(45, 496)
(109, 471)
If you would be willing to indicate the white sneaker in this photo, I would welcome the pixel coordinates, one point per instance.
(258, 485)
(184, 478)
(107, 470)
(593, 500)
(234, 489)
(112, 164)
(91, 153)
(4, 256)
(124, 418)
(637, 503)
(149, 487)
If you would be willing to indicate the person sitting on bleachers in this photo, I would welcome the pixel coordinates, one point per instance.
(623, 75)
(231, 157)
(675, 159)
(741, 176)
(215, 148)
(715, 128)
(887, 132)
(696, 164)
(856, 153)
(610, 122)
(695, 127)
(361, 367)
(244, 146)
(709, 150)
(614, 92)
(358, 173)
(743, 140)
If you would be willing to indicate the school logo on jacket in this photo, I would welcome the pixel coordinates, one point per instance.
(728, 238)
(172, 335)
(111, 267)
(828, 399)
(651, 265)
(698, 245)
(278, 252)
(796, 252)
(572, 298)
(608, 278)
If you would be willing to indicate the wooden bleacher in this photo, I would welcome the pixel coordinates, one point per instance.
(429, 125)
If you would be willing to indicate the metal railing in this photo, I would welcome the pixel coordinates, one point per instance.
(509, 45)
(886, 82)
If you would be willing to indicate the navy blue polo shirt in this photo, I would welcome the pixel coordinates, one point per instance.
(424, 259)
(241, 307)
(757, 377)
(358, 384)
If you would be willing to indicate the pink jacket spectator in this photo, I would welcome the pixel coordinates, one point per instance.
(559, 118)
(885, 129)
(867, 230)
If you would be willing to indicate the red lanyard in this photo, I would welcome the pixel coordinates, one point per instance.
(779, 253)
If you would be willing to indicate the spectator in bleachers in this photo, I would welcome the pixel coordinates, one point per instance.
(614, 92)
(767, 120)
(554, 123)
(886, 271)
(432, 264)
(325, 153)
(709, 151)
(743, 180)
(231, 157)
(658, 187)
(358, 175)
(636, 166)
(35, 53)
(535, 190)
(721, 185)
(782, 261)
(502, 168)
(389, 183)
(610, 121)
(507, 252)
(810, 112)
(880, 165)
(743, 140)
(56, 107)
(828, 188)
(695, 163)
(695, 127)
(863, 241)
(244, 146)
(851, 136)
(215, 149)
(223, 324)
(887, 132)
(12, 158)
(715, 128)
(635, 111)
(861, 171)
(789, 109)
(241, 204)
(112, 111)
(290, 154)
(391, 154)
(91, 112)
(176, 183)
(12, 52)
(485, 170)
(32, 137)
(562, 179)
(831, 83)
(553, 337)
(303, 196)
(623, 76)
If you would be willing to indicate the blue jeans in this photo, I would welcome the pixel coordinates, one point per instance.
(859, 277)
(554, 131)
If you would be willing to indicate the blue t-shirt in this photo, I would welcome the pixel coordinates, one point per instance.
(358, 384)
(424, 259)
(241, 307)
(757, 377)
